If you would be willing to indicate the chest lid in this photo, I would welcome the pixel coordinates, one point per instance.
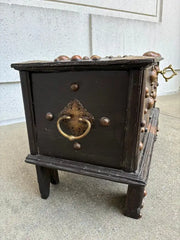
(77, 62)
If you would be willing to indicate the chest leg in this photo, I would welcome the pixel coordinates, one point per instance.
(135, 195)
(54, 176)
(45, 176)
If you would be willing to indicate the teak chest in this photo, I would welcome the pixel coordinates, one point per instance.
(95, 117)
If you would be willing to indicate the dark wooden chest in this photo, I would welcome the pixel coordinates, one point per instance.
(95, 117)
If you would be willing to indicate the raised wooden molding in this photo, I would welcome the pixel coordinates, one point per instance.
(149, 10)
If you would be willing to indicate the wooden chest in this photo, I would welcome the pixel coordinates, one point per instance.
(95, 117)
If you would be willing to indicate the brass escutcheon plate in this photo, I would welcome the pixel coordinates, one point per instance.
(76, 111)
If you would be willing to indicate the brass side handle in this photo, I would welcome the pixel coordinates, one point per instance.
(164, 71)
(71, 137)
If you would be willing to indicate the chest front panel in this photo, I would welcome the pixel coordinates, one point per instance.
(103, 94)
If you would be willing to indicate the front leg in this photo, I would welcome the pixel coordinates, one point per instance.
(134, 200)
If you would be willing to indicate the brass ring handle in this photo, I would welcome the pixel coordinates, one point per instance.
(164, 71)
(71, 137)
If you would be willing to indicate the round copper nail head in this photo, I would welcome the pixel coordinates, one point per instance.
(104, 121)
(146, 89)
(150, 103)
(61, 57)
(153, 75)
(74, 87)
(85, 58)
(143, 123)
(49, 116)
(77, 146)
(145, 110)
(76, 58)
(145, 193)
(142, 129)
(140, 146)
(95, 57)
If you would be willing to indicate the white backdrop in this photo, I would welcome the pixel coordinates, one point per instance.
(42, 32)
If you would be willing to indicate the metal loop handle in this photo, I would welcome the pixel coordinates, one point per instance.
(164, 71)
(71, 137)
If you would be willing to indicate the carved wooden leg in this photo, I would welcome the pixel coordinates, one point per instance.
(43, 176)
(54, 176)
(134, 199)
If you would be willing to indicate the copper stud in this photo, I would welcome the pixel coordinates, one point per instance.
(95, 57)
(140, 146)
(142, 129)
(145, 110)
(145, 193)
(61, 57)
(157, 68)
(77, 146)
(146, 95)
(152, 54)
(146, 89)
(143, 123)
(104, 121)
(150, 103)
(153, 94)
(146, 92)
(153, 75)
(74, 87)
(85, 58)
(76, 58)
(49, 116)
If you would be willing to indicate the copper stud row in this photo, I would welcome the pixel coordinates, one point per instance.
(151, 96)
(93, 57)
(76, 58)
(96, 57)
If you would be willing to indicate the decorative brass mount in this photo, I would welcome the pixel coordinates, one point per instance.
(77, 119)
(164, 71)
